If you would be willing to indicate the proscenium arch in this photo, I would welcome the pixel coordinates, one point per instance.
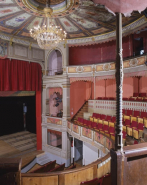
(48, 55)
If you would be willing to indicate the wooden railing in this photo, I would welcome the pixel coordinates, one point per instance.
(75, 176)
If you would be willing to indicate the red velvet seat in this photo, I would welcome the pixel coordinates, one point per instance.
(113, 119)
(58, 168)
(97, 116)
(131, 99)
(102, 117)
(94, 125)
(81, 121)
(124, 111)
(94, 115)
(127, 122)
(135, 94)
(105, 98)
(136, 113)
(108, 118)
(143, 115)
(99, 98)
(85, 122)
(140, 126)
(111, 130)
(129, 113)
(125, 99)
(90, 182)
(142, 94)
(134, 124)
(99, 126)
(111, 98)
(124, 135)
(47, 167)
(106, 129)
(138, 99)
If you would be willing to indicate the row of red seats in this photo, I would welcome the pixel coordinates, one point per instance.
(135, 99)
(133, 128)
(134, 113)
(105, 180)
(139, 94)
(104, 117)
(105, 129)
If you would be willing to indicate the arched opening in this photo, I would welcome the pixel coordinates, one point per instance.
(55, 63)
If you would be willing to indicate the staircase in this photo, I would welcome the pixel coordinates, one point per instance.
(80, 112)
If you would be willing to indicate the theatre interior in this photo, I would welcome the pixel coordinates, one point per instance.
(73, 92)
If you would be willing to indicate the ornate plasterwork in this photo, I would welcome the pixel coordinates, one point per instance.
(106, 71)
(106, 67)
(133, 62)
(84, 22)
(79, 69)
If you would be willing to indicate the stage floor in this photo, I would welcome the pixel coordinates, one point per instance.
(19, 145)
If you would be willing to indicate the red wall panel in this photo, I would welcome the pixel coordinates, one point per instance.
(105, 52)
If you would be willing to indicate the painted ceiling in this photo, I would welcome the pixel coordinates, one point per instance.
(80, 19)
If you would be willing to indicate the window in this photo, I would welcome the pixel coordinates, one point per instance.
(54, 138)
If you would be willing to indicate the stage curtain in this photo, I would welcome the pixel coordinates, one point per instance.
(16, 75)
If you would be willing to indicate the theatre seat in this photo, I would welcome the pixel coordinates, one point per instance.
(106, 129)
(125, 99)
(113, 119)
(142, 94)
(140, 129)
(108, 118)
(102, 117)
(94, 125)
(127, 123)
(135, 94)
(58, 168)
(99, 127)
(90, 182)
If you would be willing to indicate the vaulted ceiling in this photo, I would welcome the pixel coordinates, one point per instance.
(80, 19)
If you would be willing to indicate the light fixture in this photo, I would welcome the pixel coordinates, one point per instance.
(48, 36)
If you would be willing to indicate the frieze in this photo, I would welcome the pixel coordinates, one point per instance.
(54, 121)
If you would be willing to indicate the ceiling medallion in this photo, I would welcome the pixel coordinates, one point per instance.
(48, 36)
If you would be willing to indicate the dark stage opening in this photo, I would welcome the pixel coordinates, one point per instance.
(12, 116)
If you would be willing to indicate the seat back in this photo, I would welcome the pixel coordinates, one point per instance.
(134, 124)
(108, 118)
(91, 182)
(102, 117)
(136, 113)
(127, 122)
(135, 94)
(129, 112)
(113, 119)
(58, 168)
(143, 114)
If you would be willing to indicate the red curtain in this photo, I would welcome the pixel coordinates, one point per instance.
(16, 75)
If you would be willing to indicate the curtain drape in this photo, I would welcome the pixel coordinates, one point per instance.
(16, 75)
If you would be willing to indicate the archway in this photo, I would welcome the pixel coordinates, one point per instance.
(55, 63)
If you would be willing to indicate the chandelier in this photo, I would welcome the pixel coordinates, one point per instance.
(49, 35)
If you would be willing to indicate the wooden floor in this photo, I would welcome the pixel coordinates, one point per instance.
(19, 145)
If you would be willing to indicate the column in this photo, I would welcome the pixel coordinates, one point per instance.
(94, 88)
(119, 84)
(47, 101)
(105, 86)
(43, 99)
(66, 99)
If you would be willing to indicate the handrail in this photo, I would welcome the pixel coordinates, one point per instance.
(79, 110)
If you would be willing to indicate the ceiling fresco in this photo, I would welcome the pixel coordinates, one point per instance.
(80, 19)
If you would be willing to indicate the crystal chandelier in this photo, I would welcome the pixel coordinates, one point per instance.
(48, 36)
